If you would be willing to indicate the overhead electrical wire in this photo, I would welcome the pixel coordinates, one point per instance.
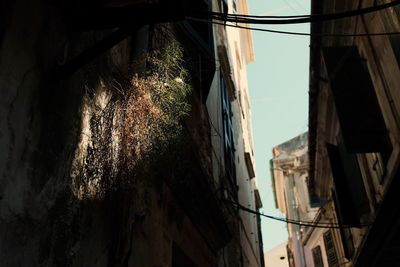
(296, 222)
(223, 19)
(258, 16)
(286, 220)
(251, 19)
(294, 33)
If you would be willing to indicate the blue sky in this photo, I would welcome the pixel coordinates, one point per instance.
(278, 82)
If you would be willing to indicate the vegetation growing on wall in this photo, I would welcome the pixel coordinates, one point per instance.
(156, 104)
(127, 127)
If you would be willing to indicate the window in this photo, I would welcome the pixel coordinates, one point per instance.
(345, 233)
(198, 43)
(352, 201)
(224, 6)
(330, 249)
(229, 145)
(315, 200)
(317, 257)
(357, 106)
(234, 6)
(249, 165)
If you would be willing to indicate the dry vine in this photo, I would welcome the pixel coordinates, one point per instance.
(124, 130)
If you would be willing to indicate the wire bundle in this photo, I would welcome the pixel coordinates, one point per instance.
(296, 222)
(242, 21)
(252, 19)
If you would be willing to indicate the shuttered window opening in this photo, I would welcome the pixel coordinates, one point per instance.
(354, 180)
(345, 233)
(345, 209)
(249, 165)
(330, 249)
(229, 144)
(348, 244)
(224, 6)
(234, 6)
(317, 257)
(352, 200)
(357, 106)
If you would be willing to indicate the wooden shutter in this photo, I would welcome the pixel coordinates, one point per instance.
(345, 208)
(357, 106)
(349, 185)
(354, 180)
(330, 249)
(317, 257)
(345, 233)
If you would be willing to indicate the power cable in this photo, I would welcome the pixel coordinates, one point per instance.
(294, 33)
(290, 221)
(258, 16)
(295, 20)
(301, 19)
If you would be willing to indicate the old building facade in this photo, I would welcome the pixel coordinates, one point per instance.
(289, 169)
(125, 133)
(354, 132)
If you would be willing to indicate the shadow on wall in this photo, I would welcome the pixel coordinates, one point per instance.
(79, 155)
